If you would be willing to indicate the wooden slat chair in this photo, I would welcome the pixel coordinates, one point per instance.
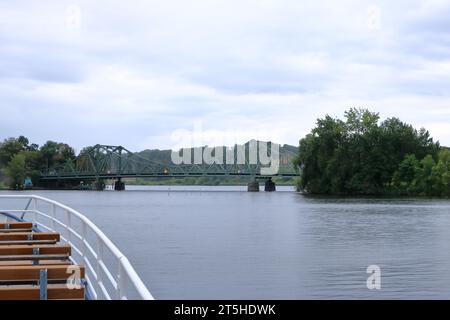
(34, 252)
(33, 266)
(33, 292)
(32, 273)
(34, 262)
(29, 238)
(16, 227)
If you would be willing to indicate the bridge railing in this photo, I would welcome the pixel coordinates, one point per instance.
(109, 274)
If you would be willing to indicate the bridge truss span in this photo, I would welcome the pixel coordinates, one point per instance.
(116, 162)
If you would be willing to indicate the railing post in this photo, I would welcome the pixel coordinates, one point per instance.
(99, 261)
(53, 217)
(68, 227)
(35, 211)
(83, 240)
(26, 208)
(121, 284)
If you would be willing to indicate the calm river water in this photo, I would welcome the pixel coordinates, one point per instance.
(225, 243)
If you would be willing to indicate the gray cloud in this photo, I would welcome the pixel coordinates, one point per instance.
(133, 73)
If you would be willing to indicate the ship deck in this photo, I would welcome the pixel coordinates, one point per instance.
(34, 265)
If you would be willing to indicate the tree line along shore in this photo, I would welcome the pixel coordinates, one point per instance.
(357, 155)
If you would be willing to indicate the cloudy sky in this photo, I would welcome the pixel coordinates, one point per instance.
(145, 73)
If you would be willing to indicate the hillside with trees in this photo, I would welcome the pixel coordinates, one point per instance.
(362, 156)
(287, 153)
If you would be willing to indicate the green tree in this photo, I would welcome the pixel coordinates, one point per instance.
(363, 151)
(55, 153)
(425, 178)
(441, 174)
(34, 162)
(361, 156)
(360, 121)
(316, 173)
(16, 170)
(10, 147)
(404, 178)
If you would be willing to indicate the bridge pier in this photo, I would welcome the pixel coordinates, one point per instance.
(253, 186)
(269, 186)
(99, 185)
(119, 185)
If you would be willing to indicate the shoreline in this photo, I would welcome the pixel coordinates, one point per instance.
(213, 187)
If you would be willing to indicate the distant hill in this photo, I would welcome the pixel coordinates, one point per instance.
(287, 153)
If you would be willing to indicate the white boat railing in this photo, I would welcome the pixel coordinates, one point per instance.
(90, 247)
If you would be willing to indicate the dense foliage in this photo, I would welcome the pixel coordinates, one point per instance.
(19, 159)
(360, 155)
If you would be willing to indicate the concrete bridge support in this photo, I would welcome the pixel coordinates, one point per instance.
(119, 185)
(99, 185)
(270, 186)
(253, 186)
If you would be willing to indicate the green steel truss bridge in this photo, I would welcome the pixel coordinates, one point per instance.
(116, 162)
